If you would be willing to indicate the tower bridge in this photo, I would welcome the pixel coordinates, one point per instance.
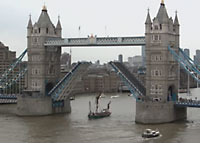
(47, 93)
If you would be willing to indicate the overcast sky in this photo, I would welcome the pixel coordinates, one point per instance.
(120, 17)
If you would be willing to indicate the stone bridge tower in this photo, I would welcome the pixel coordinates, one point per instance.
(43, 62)
(162, 70)
(43, 69)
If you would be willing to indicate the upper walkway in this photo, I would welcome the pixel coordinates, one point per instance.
(96, 41)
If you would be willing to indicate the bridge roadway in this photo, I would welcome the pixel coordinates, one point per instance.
(96, 41)
(132, 82)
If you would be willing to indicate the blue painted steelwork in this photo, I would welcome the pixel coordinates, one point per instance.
(58, 89)
(12, 66)
(187, 104)
(190, 62)
(193, 63)
(136, 93)
(174, 97)
(188, 66)
(133, 92)
(8, 96)
(14, 79)
(58, 103)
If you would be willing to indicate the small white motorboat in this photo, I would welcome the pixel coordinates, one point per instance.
(114, 96)
(149, 133)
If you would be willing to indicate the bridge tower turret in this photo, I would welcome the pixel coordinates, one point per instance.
(43, 62)
(29, 27)
(148, 23)
(161, 70)
(59, 28)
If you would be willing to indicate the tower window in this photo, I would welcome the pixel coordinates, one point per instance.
(156, 73)
(35, 40)
(156, 27)
(156, 89)
(156, 37)
(47, 30)
(39, 30)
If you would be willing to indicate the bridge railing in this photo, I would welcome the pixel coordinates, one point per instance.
(189, 67)
(195, 66)
(57, 92)
(188, 102)
(135, 86)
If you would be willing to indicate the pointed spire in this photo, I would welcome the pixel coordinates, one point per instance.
(58, 26)
(162, 15)
(148, 20)
(44, 19)
(44, 8)
(176, 22)
(30, 22)
(162, 2)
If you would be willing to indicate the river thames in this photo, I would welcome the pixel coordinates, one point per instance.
(118, 128)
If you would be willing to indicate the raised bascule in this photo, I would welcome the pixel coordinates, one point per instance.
(156, 100)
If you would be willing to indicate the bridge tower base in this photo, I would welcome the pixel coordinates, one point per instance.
(33, 104)
(156, 113)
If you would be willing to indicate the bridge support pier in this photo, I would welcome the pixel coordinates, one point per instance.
(158, 112)
(33, 104)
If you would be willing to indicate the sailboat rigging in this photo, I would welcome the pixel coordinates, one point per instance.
(99, 114)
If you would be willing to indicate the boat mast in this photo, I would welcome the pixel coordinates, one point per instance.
(108, 106)
(97, 102)
(90, 107)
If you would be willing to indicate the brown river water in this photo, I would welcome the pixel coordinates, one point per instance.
(118, 128)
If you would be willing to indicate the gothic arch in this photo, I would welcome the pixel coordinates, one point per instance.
(48, 87)
(171, 93)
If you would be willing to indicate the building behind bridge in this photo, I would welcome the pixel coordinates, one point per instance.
(8, 57)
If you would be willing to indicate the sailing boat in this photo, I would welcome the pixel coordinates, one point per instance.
(103, 113)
